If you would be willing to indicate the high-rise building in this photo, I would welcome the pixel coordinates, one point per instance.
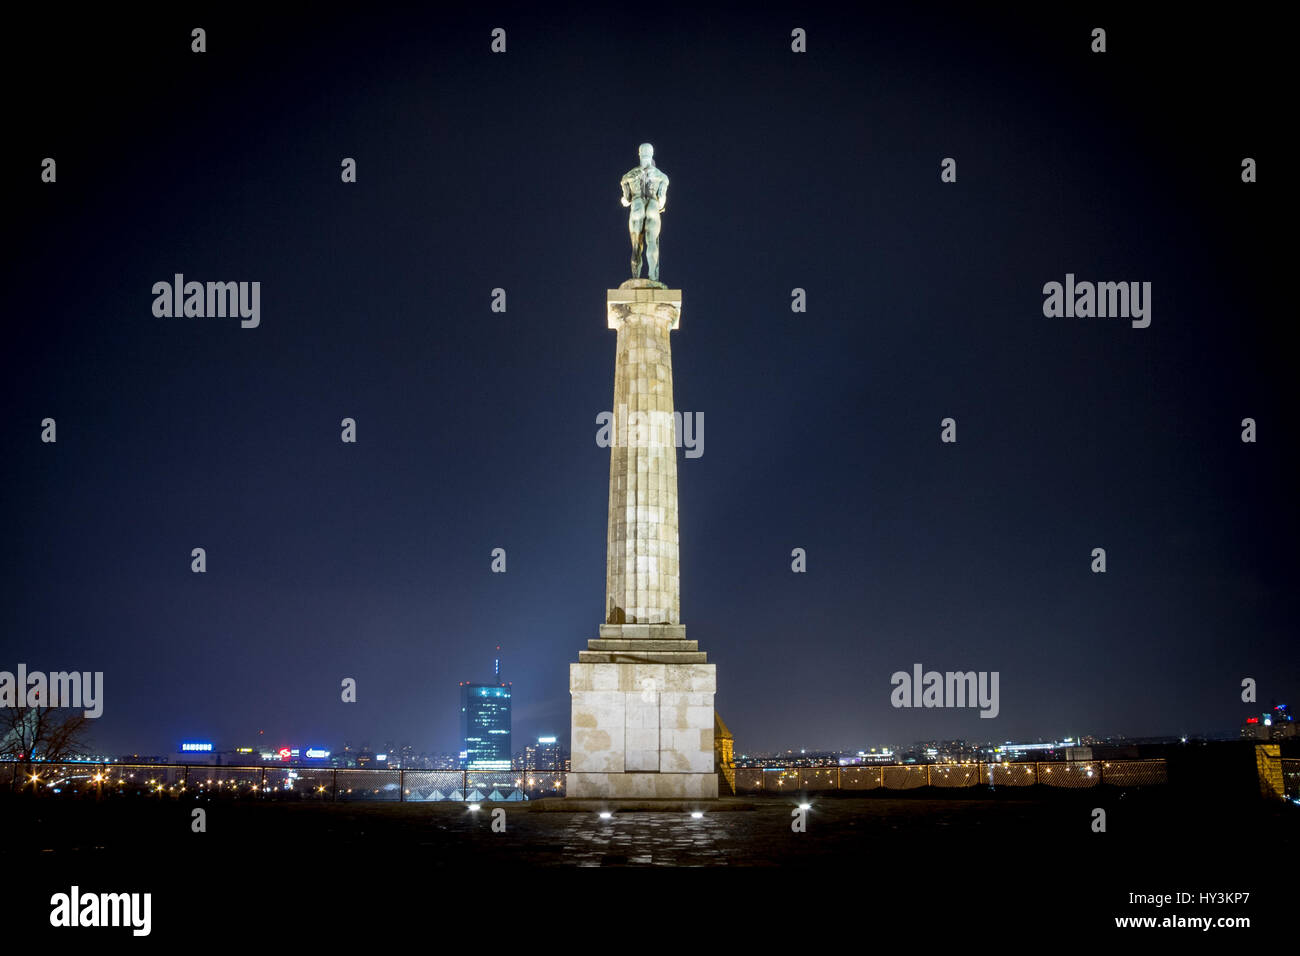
(544, 755)
(485, 722)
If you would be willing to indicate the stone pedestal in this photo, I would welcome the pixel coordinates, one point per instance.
(642, 715)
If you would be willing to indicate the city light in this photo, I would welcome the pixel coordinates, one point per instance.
(474, 808)
(605, 814)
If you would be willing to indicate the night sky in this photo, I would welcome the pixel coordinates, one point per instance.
(476, 429)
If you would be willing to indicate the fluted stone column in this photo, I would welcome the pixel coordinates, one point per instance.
(642, 581)
(642, 694)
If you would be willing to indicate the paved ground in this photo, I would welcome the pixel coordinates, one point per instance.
(948, 856)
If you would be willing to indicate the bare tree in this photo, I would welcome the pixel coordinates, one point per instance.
(41, 733)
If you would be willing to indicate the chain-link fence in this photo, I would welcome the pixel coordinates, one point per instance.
(1057, 773)
(1291, 777)
(279, 782)
(315, 783)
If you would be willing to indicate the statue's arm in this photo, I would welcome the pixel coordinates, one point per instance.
(625, 185)
(663, 193)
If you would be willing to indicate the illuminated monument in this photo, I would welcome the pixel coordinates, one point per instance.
(643, 724)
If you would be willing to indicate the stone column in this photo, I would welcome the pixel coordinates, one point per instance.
(642, 580)
(642, 693)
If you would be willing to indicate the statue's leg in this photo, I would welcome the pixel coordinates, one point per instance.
(652, 242)
(635, 231)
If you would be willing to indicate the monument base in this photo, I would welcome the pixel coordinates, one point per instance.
(642, 716)
(644, 786)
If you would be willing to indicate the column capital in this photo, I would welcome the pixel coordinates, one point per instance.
(643, 297)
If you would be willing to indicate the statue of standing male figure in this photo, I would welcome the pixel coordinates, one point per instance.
(645, 190)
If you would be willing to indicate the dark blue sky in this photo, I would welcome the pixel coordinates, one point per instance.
(476, 429)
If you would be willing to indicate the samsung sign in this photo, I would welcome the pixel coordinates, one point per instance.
(193, 747)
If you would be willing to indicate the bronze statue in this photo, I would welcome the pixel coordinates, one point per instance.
(645, 190)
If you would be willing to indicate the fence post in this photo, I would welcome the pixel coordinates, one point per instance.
(261, 789)
(334, 795)
(401, 784)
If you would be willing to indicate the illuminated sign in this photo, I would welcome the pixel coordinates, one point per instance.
(284, 753)
(243, 750)
(195, 746)
(381, 756)
(1252, 720)
(546, 740)
(315, 753)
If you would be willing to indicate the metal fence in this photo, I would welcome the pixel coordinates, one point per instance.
(279, 783)
(1291, 777)
(1057, 773)
(328, 784)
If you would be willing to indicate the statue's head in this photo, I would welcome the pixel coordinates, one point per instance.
(647, 153)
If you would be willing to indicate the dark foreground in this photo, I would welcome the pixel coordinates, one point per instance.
(918, 861)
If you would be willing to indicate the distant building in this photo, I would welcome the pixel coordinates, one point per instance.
(485, 726)
(542, 757)
(485, 722)
(1276, 724)
(196, 751)
(1049, 750)
(549, 754)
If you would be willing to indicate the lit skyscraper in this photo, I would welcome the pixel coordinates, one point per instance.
(485, 722)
